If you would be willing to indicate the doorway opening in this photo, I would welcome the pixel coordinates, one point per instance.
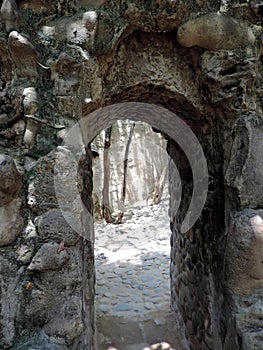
(132, 257)
(188, 180)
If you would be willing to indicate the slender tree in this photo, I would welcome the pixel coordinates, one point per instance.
(159, 186)
(125, 168)
(106, 213)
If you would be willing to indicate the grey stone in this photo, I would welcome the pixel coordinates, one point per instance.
(11, 222)
(25, 253)
(244, 252)
(100, 283)
(160, 290)
(65, 78)
(9, 278)
(249, 321)
(53, 225)
(138, 307)
(147, 292)
(104, 308)
(245, 169)
(153, 284)
(156, 300)
(53, 185)
(49, 257)
(147, 278)
(148, 306)
(124, 292)
(9, 10)
(122, 307)
(66, 323)
(39, 341)
(10, 180)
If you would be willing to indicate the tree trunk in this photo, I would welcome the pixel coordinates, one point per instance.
(125, 167)
(106, 213)
(157, 195)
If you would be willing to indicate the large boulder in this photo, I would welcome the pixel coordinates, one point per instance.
(215, 31)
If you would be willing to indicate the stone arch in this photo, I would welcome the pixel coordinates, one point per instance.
(170, 125)
(50, 76)
(191, 272)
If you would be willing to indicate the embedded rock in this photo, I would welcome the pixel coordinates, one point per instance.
(30, 105)
(9, 10)
(49, 185)
(30, 135)
(54, 226)
(41, 191)
(30, 100)
(11, 222)
(245, 169)
(244, 252)
(93, 30)
(215, 31)
(67, 323)
(10, 180)
(38, 341)
(66, 74)
(24, 55)
(25, 253)
(249, 319)
(49, 257)
(78, 29)
(229, 75)
(9, 13)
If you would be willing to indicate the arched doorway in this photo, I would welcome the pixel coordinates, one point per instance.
(132, 256)
(189, 269)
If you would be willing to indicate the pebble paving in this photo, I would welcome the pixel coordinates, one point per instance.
(132, 262)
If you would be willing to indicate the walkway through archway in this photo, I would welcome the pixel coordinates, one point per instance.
(132, 259)
(187, 267)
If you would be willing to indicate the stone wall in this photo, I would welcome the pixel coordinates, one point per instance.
(62, 60)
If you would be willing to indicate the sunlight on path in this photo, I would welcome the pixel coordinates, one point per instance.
(132, 282)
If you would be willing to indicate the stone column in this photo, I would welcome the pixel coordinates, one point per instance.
(244, 252)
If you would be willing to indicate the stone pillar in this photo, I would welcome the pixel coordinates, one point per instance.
(244, 268)
(11, 225)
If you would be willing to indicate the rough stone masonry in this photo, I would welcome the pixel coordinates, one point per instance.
(61, 60)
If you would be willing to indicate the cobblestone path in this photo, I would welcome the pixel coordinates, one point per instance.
(133, 288)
